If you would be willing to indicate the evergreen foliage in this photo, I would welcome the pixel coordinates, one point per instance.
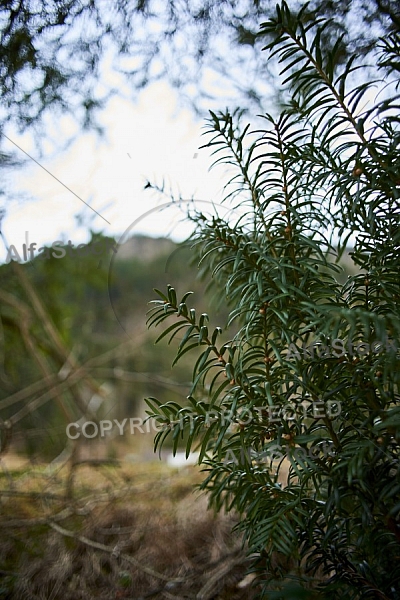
(298, 432)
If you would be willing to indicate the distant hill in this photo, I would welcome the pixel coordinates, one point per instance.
(145, 248)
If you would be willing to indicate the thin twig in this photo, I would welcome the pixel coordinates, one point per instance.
(210, 588)
(111, 550)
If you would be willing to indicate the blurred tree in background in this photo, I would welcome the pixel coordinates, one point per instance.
(55, 54)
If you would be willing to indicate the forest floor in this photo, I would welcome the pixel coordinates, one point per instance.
(115, 530)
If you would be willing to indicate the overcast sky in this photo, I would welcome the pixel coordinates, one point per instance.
(153, 138)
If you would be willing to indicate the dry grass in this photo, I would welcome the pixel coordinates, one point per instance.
(127, 532)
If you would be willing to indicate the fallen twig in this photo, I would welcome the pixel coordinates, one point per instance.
(213, 578)
(111, 550)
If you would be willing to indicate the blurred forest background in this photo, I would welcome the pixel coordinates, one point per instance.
(87, 311)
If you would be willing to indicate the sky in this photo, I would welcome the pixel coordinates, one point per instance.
(151, 139)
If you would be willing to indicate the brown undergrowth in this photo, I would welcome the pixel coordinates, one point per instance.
(120, 532)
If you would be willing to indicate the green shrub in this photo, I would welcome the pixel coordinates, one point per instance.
(299, 431)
